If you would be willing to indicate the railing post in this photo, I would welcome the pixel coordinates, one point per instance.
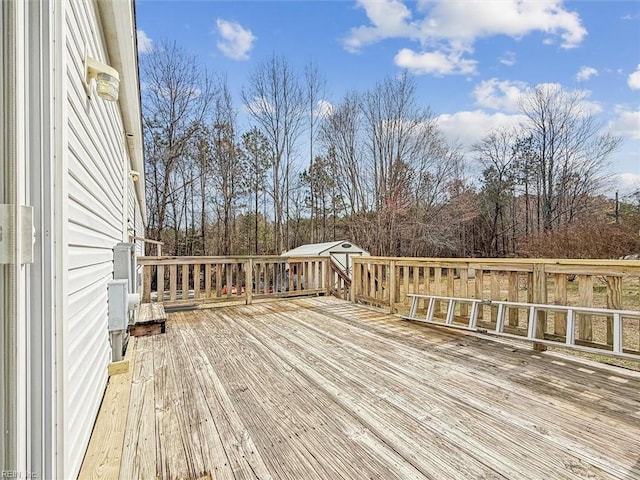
(539, 281)
(146, 284)
(392, 287)
(248, 289)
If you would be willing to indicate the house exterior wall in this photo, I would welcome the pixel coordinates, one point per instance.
(96, 162)
(73, 155)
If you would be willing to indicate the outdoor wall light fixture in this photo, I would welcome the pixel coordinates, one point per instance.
(106, 78)
(135, 176)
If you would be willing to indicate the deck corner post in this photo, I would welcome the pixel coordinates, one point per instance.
(355, 281)
(327, 275)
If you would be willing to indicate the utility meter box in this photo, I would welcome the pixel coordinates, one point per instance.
(118, 304)
(124, 264)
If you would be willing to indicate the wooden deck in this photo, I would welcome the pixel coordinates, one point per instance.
(322, 388)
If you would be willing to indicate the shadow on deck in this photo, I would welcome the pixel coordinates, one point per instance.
(322, 388)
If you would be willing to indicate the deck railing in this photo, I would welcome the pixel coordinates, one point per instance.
(611, 284)
(179, 281)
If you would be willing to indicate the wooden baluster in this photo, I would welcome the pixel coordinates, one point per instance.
(464, 291)
(614, 301)
(160, 283)
(196, 281)
(405, 283)
(560, 298)
(207, 281)
(539, 280)
(495, 293)
(391, 272)
(479, 290)
(512, 296)
(219, 267)
(185, 282)
(173, 279)
(437, 286)
(248, 281)
(585, 293)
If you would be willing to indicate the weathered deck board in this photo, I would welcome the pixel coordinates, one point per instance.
(321, 388)
(102, 460)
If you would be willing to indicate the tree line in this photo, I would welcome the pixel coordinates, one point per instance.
(373, 168)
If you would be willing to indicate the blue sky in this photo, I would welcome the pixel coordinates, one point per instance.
(471, 59)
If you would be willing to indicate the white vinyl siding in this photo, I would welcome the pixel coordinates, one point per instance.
(96, 156)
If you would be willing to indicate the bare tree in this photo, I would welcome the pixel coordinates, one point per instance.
(275, 101)
(412, 164)
(227, 167)
(177, 98)
(255, 149)
(569, 151)
(314, 91)
(497, 154)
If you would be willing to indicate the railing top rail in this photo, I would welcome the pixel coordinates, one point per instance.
(146, 240)
(149, 260)
(497, 261)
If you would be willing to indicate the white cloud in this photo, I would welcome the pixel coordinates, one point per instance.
(626, 123)
(145, 44)
(508, 59)
(468, 127)
(448, 29)
(506, 95)
(499, 95)
(390, 18)
(469, 21)
(634, 79)
(586, 73)
(235, 41)
(436, 63)
(625, 183)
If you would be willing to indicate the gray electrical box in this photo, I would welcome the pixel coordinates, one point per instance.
(118, 304)
(124, 264)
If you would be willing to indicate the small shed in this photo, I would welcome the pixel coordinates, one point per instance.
(340, 252)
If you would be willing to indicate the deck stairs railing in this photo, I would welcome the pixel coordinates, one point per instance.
(340, 283)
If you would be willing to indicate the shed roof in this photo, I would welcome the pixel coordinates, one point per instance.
(312, 249)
